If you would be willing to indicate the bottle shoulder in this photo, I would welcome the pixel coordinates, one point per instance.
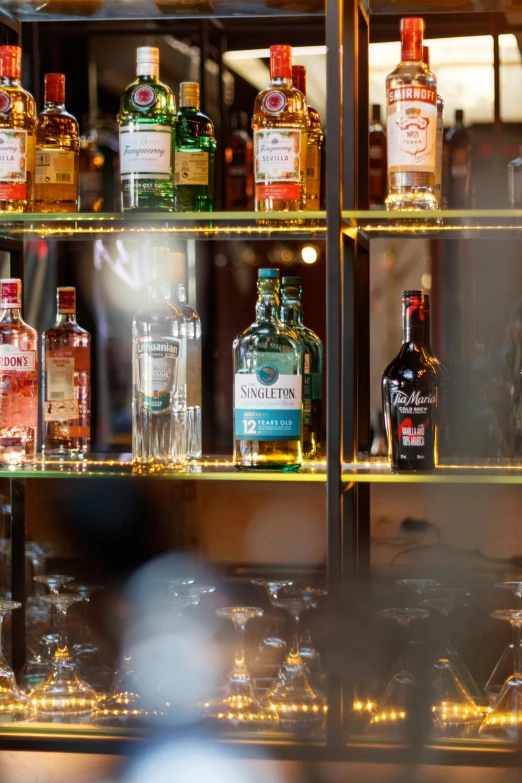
(16, 328)
(163, 103)
(412, 366)
(411, 73)
(293, 112)
(194, 127)
(73, 330)
(21, 112)
(57, 124)
(269, 335)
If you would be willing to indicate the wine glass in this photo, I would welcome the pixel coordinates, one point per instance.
(36, 611)
(86, 651)
(15, 705)
(63, 696)
(53, 581)
(272, 649)
(504, 722)
(123, 705)
(454, 713)
(185, 593)
(504, 666)
(298, 705)
(239, 707)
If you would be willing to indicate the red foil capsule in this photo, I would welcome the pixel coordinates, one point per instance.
(10, 62)
(281, 62)
(54, 88)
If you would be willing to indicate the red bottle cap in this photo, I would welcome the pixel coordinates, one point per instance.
(281, 62)
(10, 292)
(10, 61)
(412, 34)
(299, 77)
(66, 299)
(54, 88)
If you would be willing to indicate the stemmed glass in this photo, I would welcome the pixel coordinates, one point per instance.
(87, 653)
(292, 698)
(504, 665)
(239, 707)
(504, 722)
(123, 705)
(63, 696)
(272, 650)
(15, 705)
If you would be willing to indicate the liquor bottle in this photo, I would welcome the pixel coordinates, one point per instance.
(268, 368)
(515, 181)
(292, 316)
(411, 393)
(18, 380)
(159, 373)
(378, 166)
(239, 165)
(195, 154)
(147, 122)
(17, 135)
(458, 143)
(57, 151)
(66, 352)
(280, 123)
(440, 134)
(193, 334)
(315, 143)
(92, 162)
(411, 125)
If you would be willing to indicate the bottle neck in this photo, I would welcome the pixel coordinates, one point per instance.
(414, 322)
(178, 287)
(411, 46)
(292, 312)
(148, 77)
(66, 319)
(12, 315)
(160, 289)
(267, 307)
(10, 81)
(280, 81)
(54, 105)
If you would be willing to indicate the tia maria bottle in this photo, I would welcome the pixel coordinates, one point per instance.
(411, 392)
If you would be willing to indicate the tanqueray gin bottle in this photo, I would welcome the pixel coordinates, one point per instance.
(268, 381)
(147, 122)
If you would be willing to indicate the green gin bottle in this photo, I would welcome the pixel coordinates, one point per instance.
(195, 153)
(268, 383)
(292, 316)
(147, 121)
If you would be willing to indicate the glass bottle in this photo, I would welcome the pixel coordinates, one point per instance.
(57, 151)
(315, 143)
(440, 133)
(17, 135)
(147, 121)
(280, 123)
(458, 141)
(92, 162)
(239, 165)
(195, 154)
(66, 351)
(268, 368)
(159, 373)
(292, 316)
(18, 379)
(411, 125)
(515, 181)
(378, 166)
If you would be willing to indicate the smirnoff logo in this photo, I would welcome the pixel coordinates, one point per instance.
(415, 398)
(423, 94)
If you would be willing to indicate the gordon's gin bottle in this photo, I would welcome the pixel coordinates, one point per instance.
(18, 378)
(411, 125)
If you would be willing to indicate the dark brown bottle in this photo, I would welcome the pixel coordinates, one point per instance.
(411, 393)
(378, 159)
(239, 165)
(458, 156)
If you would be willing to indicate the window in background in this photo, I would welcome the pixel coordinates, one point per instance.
(510, 79)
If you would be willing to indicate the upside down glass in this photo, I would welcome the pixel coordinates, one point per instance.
(15, 705)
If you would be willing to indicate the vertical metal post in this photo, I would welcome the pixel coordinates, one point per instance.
(18, 570)
(203, 79)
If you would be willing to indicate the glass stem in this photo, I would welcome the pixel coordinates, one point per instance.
(239, 662)
(516, 648)
(295, 652)
(62, 649)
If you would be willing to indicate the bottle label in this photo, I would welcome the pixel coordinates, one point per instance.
(411, 116)
(55, 167)
(143, 97)
(191, 168)
(146, 151)
(268, 402)
(312, 389)
(313, 174)
(60, 367)
(18, 387)
(277, 155)
(160, 368)
(415, 414)
(13, 164)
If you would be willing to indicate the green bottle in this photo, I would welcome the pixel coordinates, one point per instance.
(147, 122)
(292, 316)
(268, 386)
(195, 153)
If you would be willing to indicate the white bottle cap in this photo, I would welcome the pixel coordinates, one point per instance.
(147, 61)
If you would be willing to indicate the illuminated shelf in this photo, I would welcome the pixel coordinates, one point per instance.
(440, 224)
(186, 225)
(494, 471)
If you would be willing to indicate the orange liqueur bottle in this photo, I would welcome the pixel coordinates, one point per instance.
(315, 143)
(17, 135)
(57, 151)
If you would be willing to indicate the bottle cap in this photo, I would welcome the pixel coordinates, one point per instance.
(189, 94)
(413, 294)
(299, 77)
(10, 61)
(268, 273)
(412, 34)
(413, 24)
(291, 280)
(54, 88)
(459, 115)
(66, 299)
(147, 61)
(426, 55)
(10, 293)
(281, 61)
(376, 112)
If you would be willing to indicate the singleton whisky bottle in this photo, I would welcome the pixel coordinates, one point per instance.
(147, 122)
(268, 368)
(378, 166)
(440, 134)
(315, 143)
(411, 125)
(292, 316)
(159, 373)
(458, 145)
(280, 123)
(239, 165)
(411, 391)
(57, 151)
(17, 135)
(66, 352)
(195, 153)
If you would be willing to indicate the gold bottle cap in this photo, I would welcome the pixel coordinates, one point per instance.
(189, 94)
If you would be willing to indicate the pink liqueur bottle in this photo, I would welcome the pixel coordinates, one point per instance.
(18, 379)
(67, 383)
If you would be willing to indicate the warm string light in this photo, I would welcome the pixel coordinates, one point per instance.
(393, 716)
(450, 712)
(364, 706)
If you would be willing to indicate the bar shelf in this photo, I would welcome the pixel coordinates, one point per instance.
(434, 224)
(376, 470)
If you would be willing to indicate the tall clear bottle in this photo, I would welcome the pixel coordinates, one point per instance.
(66, 351)
(315, 143)
(18, 379)
(159, 373)
(195, 154)
(268, 383)
(292, 316)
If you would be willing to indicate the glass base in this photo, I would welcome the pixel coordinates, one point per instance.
(298, 706)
